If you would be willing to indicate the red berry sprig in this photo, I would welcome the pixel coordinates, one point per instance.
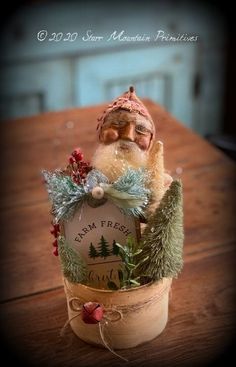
(55, 231)
(78, 168)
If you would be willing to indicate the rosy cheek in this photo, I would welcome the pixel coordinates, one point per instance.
(143, 142)
(109, 135)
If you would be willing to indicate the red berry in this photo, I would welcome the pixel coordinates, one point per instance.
(55, 252)
(71, 160)
(55, 230)
(55, 244)
(78, 155)
(57, 227)
(92, 313)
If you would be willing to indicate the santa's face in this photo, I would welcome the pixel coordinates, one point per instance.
(127, 126)
(124, 141)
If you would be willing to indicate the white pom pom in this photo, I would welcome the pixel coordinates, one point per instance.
(97, 192)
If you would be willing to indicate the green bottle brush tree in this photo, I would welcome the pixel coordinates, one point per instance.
(162, 240)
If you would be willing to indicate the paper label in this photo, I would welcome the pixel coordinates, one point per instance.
(93, 232)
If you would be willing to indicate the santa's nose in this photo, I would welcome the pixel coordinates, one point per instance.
(128, 132)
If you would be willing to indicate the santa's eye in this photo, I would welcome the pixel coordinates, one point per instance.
(140, 129)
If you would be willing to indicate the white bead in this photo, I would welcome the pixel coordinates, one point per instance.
(97, 192)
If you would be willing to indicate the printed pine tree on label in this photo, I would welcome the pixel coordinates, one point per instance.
(103, 248)
(115, 248)
(92, 251)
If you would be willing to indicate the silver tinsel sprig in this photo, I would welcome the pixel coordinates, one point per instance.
(65, 195)
(128, 192)
(94, 178)
(134, 183)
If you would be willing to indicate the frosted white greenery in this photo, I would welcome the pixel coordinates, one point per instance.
(129, 192)
(66, 196)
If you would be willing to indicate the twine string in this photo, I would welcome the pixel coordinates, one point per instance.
(111, 314)
(62, 332)
(76, 307)
(121, 309)
(100, 325)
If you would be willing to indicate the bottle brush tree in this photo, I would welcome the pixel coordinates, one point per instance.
(73, 266)
(162, 239)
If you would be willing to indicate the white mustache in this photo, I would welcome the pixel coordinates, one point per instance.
(114, 159)
(129, 144)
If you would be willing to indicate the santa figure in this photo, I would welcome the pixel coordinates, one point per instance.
(127, 134)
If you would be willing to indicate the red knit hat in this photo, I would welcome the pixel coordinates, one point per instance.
(127, 101)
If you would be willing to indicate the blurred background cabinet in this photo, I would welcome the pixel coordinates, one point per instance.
(187, 78)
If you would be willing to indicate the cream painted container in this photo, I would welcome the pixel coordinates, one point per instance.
(131, 317)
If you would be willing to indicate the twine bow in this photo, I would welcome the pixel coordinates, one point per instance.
(113, 314)
(110, 315)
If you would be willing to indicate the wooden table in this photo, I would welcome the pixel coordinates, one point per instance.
(201, 322)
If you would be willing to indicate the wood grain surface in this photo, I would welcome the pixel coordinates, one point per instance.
(202, 309)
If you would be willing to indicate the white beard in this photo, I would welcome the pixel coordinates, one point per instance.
(114, 159)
